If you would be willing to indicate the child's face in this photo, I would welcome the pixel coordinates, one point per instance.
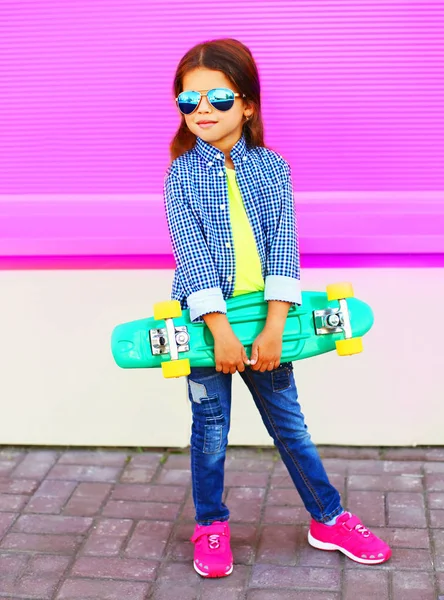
(221, 129)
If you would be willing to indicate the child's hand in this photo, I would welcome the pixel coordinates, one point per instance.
(266, 351)
(230, 354)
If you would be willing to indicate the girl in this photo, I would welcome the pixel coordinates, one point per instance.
(230, 212)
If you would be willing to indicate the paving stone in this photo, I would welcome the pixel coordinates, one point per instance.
(60, 544)
(123, 509)
(279, 544)
(17, 486)
(151, 493)
(413, 586)
(405, 454)
(87, 499)
(107, 537)
(406, 509)
(385, 483)
(434, 482)
(286, 514)
(229, 588)
(177, 461)
(436, 500)
(403, 538)
(234, 463)
(369, 506)
(149, 539)
(171, 590)
(97, 458)
(52, 524)
(6, 520)
(275, 576)
(35, 464)
(137, 474)
(84, 473)
(434, 467)
(438, 546)
(291, 595)
(11, 565)
(244, 539)
(12, 502)
(365, 585)
(284, 497)
(98, 589)
(50, 497)
(349, 452)
(245, 503)
(174, 477)
(115, 568)
(437, 518)
(246, 479)
(402, 558)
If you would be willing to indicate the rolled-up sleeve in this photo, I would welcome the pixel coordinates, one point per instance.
(198, 275)
(282, 281)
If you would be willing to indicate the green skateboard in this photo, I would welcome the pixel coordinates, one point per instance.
(324, 322)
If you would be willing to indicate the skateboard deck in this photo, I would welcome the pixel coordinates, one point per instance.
(324, 322)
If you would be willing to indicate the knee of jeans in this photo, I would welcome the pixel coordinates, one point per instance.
(210, 431)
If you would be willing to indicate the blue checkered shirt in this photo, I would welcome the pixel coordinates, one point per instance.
(197, 210)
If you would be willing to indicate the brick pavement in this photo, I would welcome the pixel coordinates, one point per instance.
(115, 525)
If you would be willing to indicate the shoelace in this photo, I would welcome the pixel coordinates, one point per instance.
(214, 541)
(362, 530)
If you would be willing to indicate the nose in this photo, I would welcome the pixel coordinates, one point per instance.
(204, 105)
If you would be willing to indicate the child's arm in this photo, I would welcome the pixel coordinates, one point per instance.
(282, 280)
(198, 275)
(267, 347)
(229, 353)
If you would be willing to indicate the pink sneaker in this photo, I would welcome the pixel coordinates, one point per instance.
(350, 537)
(212, 552)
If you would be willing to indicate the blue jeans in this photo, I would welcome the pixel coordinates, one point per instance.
(276, 398)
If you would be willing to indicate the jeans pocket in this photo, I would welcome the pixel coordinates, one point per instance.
(212, 439)
(280, 377)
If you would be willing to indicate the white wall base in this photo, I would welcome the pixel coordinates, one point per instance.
(59, 384)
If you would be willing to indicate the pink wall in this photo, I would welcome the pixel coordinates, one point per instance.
(353, 95)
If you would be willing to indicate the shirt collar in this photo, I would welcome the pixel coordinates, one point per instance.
(212, 154)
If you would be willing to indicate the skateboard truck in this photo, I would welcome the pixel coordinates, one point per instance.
(169, 340)
(337, 320)
(333, 320)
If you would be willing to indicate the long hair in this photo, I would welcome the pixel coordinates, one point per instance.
(236, 62)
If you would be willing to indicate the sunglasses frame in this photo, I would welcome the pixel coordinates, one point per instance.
(202, 94)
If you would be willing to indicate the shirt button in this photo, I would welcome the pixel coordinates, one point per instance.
(222, 206)
(228, 245)
(218, 156)
(220, 173)
(229, 278)
(210, 164)
(244, 158)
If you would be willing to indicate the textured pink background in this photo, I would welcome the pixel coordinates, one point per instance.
(352, 93)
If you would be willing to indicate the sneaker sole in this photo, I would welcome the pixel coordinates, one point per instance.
(325, 546)
(203, 574)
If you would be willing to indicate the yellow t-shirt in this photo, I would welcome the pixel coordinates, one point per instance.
(248, 263)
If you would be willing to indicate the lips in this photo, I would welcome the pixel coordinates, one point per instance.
(206, 122)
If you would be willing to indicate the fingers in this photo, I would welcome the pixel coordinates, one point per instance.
(254, 355)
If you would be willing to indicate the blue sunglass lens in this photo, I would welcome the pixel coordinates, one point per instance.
(187, 102)
(221, 98)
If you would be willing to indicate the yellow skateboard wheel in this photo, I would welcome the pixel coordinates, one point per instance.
(349, 346)
(176, 368)
(167, 310)
(337, 291)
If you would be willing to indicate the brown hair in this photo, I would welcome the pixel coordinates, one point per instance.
(235, 60)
